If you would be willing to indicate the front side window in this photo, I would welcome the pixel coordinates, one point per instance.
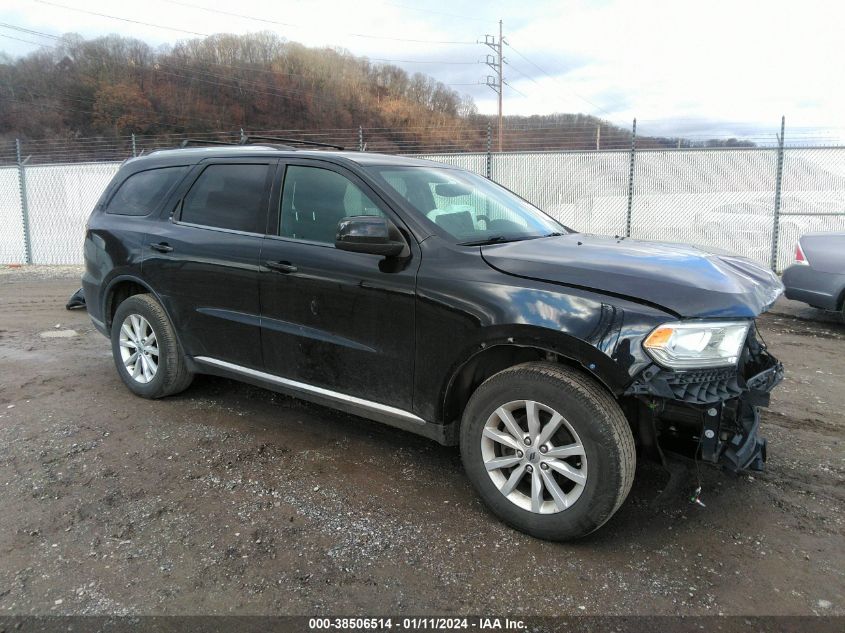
(314, 200)
(229, 197)
(142, 192)
(468, 207)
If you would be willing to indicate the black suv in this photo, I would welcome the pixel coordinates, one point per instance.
(432, 299)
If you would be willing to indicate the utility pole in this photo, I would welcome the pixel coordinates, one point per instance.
(501, 82)
(496, 82)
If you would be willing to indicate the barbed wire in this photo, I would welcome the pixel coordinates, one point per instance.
(419, 139)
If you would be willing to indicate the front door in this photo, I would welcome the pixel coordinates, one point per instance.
(203, 259)
(330, 318)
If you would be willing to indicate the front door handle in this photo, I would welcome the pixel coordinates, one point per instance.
(282, 267)
(161, 247)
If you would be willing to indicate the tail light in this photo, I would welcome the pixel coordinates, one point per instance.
(800, 258)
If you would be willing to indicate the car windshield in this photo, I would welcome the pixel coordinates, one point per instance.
(470, 208)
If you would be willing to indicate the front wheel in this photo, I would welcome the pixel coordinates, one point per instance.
(548, 450)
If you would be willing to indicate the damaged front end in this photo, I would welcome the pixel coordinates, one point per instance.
(709, 414)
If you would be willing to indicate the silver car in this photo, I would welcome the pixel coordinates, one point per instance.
(817, 276)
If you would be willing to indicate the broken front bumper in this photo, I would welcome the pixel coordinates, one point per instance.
(713, 414)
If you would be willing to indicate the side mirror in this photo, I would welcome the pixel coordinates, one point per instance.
(371, 234)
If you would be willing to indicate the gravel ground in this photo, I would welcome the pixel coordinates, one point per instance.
(229, 499)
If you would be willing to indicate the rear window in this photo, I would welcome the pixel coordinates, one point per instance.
(142, 192)
(229, 197)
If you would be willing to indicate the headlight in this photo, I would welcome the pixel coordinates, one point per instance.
(697, 344)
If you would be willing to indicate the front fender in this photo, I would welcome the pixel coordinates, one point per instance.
(465, 306)
(590, 357)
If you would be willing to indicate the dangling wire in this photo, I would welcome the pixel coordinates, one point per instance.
(696, 496)
(759, 335)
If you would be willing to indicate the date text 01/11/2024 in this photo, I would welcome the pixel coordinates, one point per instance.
(416, 624)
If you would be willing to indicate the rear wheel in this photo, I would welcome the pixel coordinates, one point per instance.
(549, 450)
(146, 352)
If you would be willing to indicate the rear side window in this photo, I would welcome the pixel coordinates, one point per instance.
(142, 192)
(229, 197)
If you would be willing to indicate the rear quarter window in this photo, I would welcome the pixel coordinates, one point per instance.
(229, 196)
(142, 192)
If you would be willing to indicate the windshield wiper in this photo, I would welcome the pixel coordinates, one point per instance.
(494, 239)
(500, 239)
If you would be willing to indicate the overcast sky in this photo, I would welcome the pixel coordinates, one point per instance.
(719, 67)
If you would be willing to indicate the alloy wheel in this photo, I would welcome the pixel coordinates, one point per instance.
(138, 348)
(534, 457)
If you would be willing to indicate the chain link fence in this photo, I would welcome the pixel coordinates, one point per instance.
(721, 199)
(587, 191)
(812, 196)
(59, 200)
(12, 244)
(752, 201)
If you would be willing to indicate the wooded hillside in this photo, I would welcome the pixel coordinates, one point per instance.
(111, 87)
(117, 86)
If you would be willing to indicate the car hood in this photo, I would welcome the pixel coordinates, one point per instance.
(683, 279)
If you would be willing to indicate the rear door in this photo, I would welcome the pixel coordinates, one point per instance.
(334, 319)
(202, 258)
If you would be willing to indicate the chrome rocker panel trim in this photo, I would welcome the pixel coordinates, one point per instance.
(386, 414)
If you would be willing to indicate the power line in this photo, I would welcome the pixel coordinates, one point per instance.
(419, 61)
(114, 17)
(157, 113)
(27, 31)
(259, 89)
(42, 44)
(519, 72)
(63, 108)
(514, 89)
(553, 78)
(161, 26)
(233, 83)
(30, 31)
(272, 92)
(10, 37)
(64, 96)
(193, 67)
(193, 64)
(299, 26)
(512, 67)
(230, 13)
(238, 67)
(451, 15)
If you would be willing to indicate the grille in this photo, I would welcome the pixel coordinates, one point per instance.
(704, 387)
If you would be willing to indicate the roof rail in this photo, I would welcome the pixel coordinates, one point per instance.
(198, 141)
(287, 141)
(274, 141)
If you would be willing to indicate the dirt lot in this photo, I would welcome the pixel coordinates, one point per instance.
(230, 499)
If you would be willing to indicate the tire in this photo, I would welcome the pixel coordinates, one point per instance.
(171, 374)
(593, 439)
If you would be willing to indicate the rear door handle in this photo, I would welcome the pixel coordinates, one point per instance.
(161, 247)
(282, 267)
